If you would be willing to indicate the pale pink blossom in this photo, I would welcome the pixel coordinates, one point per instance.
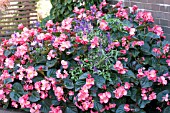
(51, 55)
(119, 67)
(165, 98)
(9, 62)
(20, 26)
(162, 80)
(35, 108)
(104, 25)
(24, 101)
(21, 50)
(55, 109)
(64, 64)
(104, 97)
(49, 23)
(127, 107)
(95, 42)
(120, 92)
(152, 96)
(168, 62)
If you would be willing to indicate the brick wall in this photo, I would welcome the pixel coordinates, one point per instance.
(160, 10)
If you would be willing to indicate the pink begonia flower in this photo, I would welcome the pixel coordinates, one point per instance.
(139, 43)
(43, 95)
(9, 63)
(124, 41)
(127, 85)
(119, 67)
(156, 50)
(1, 51)
(144, 96)
(21, 50)
(65, 45)
(45, 85)
(152, 96)
(151, 75)
(135, 8)
(55, 110)
(28, 87)
(122, 13)
(119, 4)
(158, 30)
(14, 104)
(103, 4)
(20, 26)
(35, 108)
(64, 64)
(104, 97)
(120, 92)
(140, 73)
(82, 95)
(49, 23)
(145, 16)
(94, 42)
(5, 75)
(31, 72)
(58, 91)
(84, 40)
(168, 62)
(89, 82)
(67, 23)
(104, 25)
(71, 93)
(60, 75)
(24, 101)
(132, 31)
(162, 80)
(87, 104)
(166, 48)
(123, 51)
(127, 107)
(165, 98)
(51, 55)
(158, 108)
(41, 37)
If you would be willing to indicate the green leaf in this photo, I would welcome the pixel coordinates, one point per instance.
(127, 23)
(17, 87)
(71, 109)
(79, 84)
(162, 94)
(51, 73)
(35, 96)
(7, 81)
(152, 35)
(68, 84)
(14, 96)
(133, 94)
(167, 110)
(146, 48)
(83, 76)
(7, 53)
(45, 105)
(97, 106)
(145, 83)
(130, 74)
(37, 78)
(51, 63)
(99, 80)
(120, 109)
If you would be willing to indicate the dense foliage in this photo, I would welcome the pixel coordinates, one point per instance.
(62, 9)
(117, 61)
